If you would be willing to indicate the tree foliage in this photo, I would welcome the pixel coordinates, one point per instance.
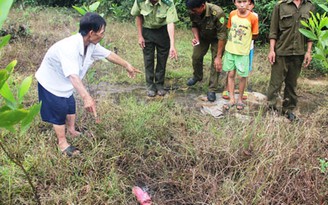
(316, 28)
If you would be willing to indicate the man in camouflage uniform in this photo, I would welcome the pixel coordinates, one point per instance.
(288, 50)
(155, 23)
(209, 29)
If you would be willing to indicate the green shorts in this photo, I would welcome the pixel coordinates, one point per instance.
(236, 62)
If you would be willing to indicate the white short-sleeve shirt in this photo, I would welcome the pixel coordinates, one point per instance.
(64, 58)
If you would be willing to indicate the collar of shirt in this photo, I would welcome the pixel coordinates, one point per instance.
(148, 2)
(207, 10)
(291, 1)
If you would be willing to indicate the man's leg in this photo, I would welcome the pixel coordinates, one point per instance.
(214, 75)
(70, 121)
(198, 54)
(294, 65)
(149, 58)
(278, 75)
(163, 49)
(61, 137)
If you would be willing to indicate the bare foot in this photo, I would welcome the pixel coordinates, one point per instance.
(74, 133)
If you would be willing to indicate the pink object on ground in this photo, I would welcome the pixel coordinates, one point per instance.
(142, 196)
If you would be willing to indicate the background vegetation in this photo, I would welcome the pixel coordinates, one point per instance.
(164, 145)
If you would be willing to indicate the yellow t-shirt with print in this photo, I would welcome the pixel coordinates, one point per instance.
(241, 32)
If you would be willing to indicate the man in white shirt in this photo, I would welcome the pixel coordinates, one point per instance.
(62, 70)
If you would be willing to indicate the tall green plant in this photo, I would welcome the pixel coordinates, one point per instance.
(316, 29)
(84, 9)
(12, 111)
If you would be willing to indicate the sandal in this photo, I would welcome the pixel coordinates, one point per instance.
(225, 95)
(228, 106)
(240, 106)
(245, 95)
(142, 197)
(71, 151)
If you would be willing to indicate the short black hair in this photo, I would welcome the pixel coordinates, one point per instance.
(253, 2)
(191, 4)
(91, 22)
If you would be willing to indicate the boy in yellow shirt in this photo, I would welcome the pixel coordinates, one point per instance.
(243, 25)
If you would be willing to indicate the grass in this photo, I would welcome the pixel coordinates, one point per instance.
(165, 145)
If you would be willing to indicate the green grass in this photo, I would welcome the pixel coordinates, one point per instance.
(182, 156)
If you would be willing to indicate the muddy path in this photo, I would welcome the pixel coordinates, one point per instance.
(195, 98)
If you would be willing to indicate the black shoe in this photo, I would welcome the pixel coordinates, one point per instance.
(291, 117)
(272, 108)
(161, 92)
(192, 81)
(151, 93)
(211, 96)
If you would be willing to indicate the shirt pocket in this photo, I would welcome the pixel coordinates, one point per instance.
(286, 21)
(305, 17)
(161, 17)
(210, 25)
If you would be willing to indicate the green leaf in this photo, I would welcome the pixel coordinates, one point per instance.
(4, 108)
(324, 7)
(318, 57)
(12, 117)
(11, 65)
(4, 75)
(315, 21)
(311, 23)
(308, 34)
(93, 7)
(323, 23)
(33, 111)
(23, 89)
(8, 96)
(305, 24)
(80, 10)
(4, 40)
(4, 10)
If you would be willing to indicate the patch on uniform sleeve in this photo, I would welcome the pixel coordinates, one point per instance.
(214, 13)
(221, 20)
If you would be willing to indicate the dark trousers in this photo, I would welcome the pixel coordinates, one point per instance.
(286, 70)
(197, 62)
(155, 39)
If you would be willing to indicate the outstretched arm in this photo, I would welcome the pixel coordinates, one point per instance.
(114, 58)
